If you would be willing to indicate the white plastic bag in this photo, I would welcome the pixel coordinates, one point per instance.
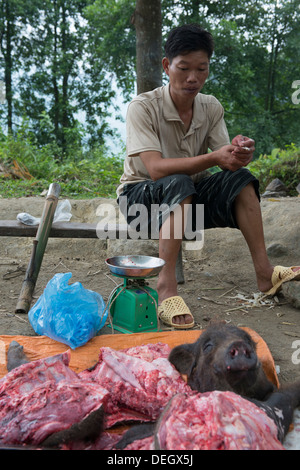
(63, 211)
(62, 214)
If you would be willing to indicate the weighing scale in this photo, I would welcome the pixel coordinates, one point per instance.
(133, 304)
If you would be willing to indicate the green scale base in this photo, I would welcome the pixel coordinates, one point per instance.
(133, 309)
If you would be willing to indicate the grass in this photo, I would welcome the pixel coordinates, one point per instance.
(13, 188)
(81, 175)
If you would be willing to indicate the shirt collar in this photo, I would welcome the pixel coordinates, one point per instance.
(170, 112)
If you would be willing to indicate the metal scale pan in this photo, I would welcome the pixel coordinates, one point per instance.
(135, 266)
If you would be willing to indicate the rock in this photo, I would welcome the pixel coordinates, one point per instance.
(277, 249)
(275, 189)
(298, 188)
(276, 185)
(291, 291)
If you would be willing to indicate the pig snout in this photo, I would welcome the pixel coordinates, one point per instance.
(240, 357)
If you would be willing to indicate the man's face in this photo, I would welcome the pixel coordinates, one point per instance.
(187, 74)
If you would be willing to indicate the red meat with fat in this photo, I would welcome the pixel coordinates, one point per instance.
(43, 397)
(140, 381)
(215, 421)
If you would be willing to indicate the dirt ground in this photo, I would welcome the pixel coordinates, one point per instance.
(219, 279)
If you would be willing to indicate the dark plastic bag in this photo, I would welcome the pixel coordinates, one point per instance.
(68, 313)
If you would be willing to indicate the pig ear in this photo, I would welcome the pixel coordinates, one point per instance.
(183, 358)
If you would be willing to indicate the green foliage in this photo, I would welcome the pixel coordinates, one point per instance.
(112, 36)
(281, 163)
(81, 174)
(255, 62)
(60, 61)
(49, 66)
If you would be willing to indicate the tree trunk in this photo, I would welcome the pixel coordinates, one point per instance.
(55, 73)
(148, 24)
(8, 65)
(65, 76)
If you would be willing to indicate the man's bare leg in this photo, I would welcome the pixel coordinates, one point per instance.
(249, 219)
(170, 239)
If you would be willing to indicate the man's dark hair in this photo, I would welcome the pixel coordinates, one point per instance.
(188, 38)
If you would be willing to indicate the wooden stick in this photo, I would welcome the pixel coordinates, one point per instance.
(38, 250)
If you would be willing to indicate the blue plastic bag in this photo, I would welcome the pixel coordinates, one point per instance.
(68, 313)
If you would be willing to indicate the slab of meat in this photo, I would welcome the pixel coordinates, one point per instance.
(44, 397)
(142, 444)
(149, 352)
(140, 381)
(214, 421)
(26, 377)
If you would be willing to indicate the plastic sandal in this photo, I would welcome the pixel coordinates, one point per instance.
(280, 275)
(171, 307)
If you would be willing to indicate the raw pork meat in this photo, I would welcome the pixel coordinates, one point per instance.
(26, 377)
(140, 381)
(44, 397)
(149, 352)
(142, 444)
(215, 421)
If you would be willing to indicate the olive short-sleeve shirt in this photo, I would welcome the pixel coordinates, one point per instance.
(153, 124)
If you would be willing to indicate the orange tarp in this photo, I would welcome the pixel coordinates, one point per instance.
(37, 347)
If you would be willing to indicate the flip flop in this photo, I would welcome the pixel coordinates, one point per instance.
(281, 275)
(170, 308)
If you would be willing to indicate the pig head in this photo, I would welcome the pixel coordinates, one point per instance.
(223, 358)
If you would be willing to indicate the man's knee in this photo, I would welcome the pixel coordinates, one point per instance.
(178, 183)
(248, 192)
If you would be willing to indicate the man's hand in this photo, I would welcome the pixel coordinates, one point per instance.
(244, 146)
(238, 154)
(244, 142)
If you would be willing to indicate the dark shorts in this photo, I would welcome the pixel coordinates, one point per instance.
(217, 194)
